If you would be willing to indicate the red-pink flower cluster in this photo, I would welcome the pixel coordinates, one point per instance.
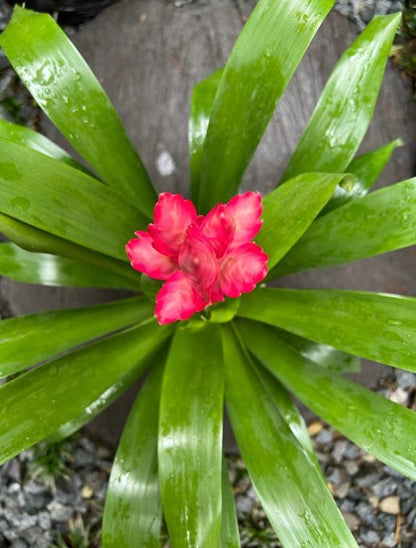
(202, 258)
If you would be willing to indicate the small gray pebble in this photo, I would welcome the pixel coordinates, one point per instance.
(389, 541)
(324, 437)
(366, 513)
(385, 488)
(351, 452)
(19, 544)
(36, 537)
(339, 450)
(351, 467)
(44, 520)
(405, 379)
(366, 479)
(337, 476)
(243, 505)
(58, 511)
(370, 537)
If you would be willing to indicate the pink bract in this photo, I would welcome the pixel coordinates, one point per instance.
(202, 258)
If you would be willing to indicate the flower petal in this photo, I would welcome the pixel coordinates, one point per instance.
(172, 214)
(144, 257)
(242, 269)
(218, 227)
(198, 260)
(246, 211)
(177, 300)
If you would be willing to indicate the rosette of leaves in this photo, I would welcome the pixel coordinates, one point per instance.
(68, 226)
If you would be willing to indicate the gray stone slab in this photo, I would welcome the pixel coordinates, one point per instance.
(149, 54)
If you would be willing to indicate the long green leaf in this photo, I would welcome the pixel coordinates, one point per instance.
(380, 426)
(230, 537)
(202, 99)
(190, 438)
(35, 240)
(28, 340)
(257, 72)
(372, 325)
(291, 490)
(346, 105)
(105, 399)
(38, 403)
(290, 209)
(54, 197)
(32, 139)
(289, 411)
(133, 509)
(326, 356)
(41, 268)
(366, 169)
(71, 96)
(383, 221)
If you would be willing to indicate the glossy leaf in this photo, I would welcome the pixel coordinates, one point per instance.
(54, 197)
(32, 139)
(105, 399)
(292, 492)
(28, 340)
(41, 268)
(383, 428)
(101, 267)
(70, 95)
(202, 99)
(366, 169)
(346, 105)
(326, 356)
(372, 325)
(230, 537)
(36, 404)
(257, 72)
(133, 509)
(290, 209)
(289, 411)
(190, 438)
(383, 221)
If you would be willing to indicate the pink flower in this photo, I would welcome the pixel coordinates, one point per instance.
(202, 258)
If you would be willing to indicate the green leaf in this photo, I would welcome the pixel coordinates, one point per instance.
(32, 139)
(28, 340)
(322, 354)
(382, 221)
(230, 537)
(45, 193)
(383, 428)
(133, 509)
(202, 100)
(288, 410)
(103, 401)
(260, 66)
(290, 209)
(99, 266)
(366, 169)
(70, 95)
(41, 268)
(190, 437)
(372, 325)
(291, 490)
(346, 105)
(38, 403)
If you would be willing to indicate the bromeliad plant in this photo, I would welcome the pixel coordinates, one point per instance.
(70, 227)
